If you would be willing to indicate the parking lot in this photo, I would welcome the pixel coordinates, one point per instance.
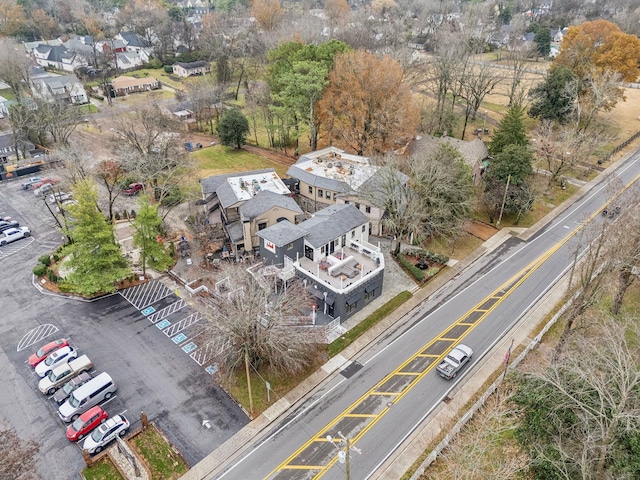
(146, 338)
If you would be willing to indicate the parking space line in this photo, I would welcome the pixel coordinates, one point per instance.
(144, 295)
(182, 324)
(35, 335)
(166, 311)
(201, 356)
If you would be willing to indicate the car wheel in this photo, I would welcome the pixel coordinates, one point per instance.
(122, 433)
(51, 391)
(2, 244)
(27, 234)
(108, 395)
(75, 417)
(80, 437)
(97, 450)
(454, 375)
(103, 420)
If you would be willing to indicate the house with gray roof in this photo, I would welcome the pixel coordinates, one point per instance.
(475, 152)
(60, 88)
(331, 252)
(329, 176)
(185, 70)
(249, 202)
(58, 57)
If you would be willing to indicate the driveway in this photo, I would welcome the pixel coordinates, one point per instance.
(153, 373)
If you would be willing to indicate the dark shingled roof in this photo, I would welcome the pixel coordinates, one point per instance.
(265, 201)
(282, 233)
(331, 223)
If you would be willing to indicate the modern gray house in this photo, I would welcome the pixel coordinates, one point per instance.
(332, 254)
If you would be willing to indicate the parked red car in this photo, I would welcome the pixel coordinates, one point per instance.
(47, 350)
(45, 181)
(133, 189)
(86, 422)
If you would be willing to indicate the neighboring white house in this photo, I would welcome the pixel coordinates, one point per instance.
(185, 70)
(4, 107)
(58, 57)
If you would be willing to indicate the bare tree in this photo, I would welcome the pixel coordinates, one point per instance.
(17, 456)
(251, 324)
(582, 411)
(110, 173)
(601, 91)
(479, 451)
(14, 67)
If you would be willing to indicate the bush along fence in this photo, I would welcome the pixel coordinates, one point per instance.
(617, 150)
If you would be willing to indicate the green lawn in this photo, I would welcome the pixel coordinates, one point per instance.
(103, 470)
(8, 94)
(220, 159)
(162, 459)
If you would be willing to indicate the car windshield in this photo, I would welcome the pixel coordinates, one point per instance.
(49, 360)
(68, 388)
(78, 424)
(51, 376)
(96, 435)
(73, 401)
(40, 352)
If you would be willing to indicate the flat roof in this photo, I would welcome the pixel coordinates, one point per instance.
(247, 186)
(334, 164)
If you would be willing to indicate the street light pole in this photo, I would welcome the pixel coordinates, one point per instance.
(344, 454)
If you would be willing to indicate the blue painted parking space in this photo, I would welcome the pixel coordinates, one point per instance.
(181, 337)
(163, 324)
(212, 369)
(189, 347)
(148, 311)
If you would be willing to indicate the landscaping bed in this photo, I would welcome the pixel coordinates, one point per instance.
(421, 265)
(104, 469)
(163, 461)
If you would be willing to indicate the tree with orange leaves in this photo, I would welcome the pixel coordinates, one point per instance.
(367, 106)
(336, 11)
(267, 13)
(601, 45)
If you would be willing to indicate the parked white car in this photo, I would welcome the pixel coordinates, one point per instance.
(64, 355)
(13, 234)
(59, 197)
(105, 433)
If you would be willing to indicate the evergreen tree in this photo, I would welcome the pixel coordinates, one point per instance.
(233, 128)
(514, 161)
(511, 131)
(94, 257)
(147, 228)
(542, 39)
(553, 99)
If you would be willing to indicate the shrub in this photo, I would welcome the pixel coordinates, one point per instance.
(432, 272)
(173, 198)
(53, 278)
(45, 260)
(116, 216)
(65, 287)
(172, 249)
(56, 257)
(155, 63)
(168, 69)
(133, 213)
(39, 270)
(411, 268)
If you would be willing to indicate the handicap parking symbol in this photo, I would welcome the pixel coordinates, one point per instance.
(148, 311)
(181, 337)
(189, 347)
(163, 324)
(211, 369)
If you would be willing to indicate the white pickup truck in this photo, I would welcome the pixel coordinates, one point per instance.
(63, 373)
(454, 361)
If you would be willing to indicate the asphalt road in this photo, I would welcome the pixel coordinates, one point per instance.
(392, 387)
(153, 373)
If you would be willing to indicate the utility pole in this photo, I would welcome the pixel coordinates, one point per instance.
(344, 454)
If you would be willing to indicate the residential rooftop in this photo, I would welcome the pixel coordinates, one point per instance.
(247, 186)
(334, 166)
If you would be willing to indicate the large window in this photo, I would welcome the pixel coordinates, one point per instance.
(320, 192)
(262, 226)
(310, 189)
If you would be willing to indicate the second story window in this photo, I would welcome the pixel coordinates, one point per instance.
(367, 209)
(310, 189)
(262, 226)
(320, 193)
